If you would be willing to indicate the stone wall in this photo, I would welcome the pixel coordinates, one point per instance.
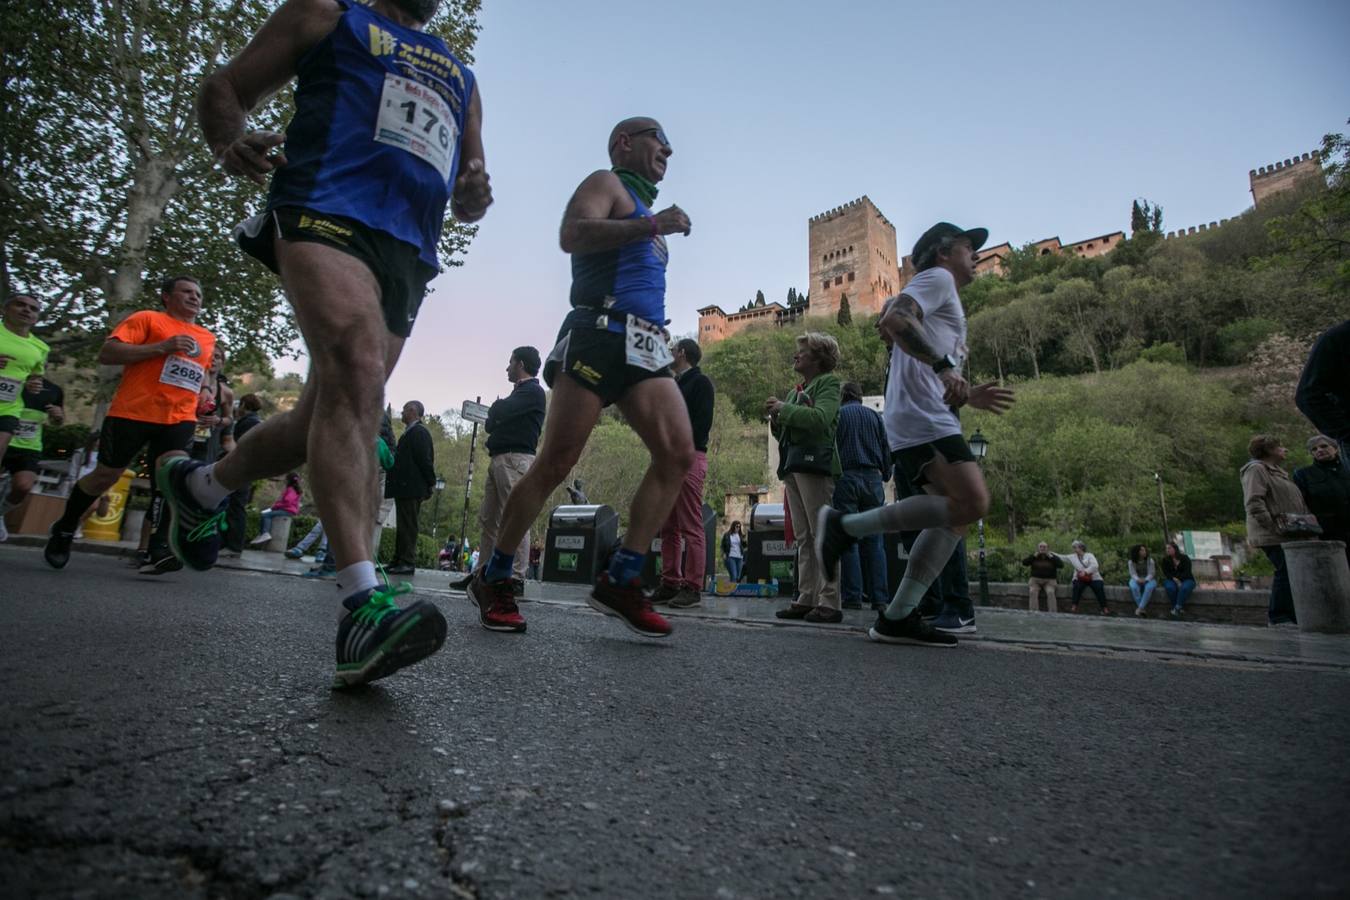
(1205, 605)
(1281, 176)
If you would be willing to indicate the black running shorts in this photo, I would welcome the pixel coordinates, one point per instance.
(121, 440)
(598, 361)
(17, 461)
(912, 461)
(396, 265)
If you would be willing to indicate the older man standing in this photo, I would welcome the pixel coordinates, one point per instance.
(866, 467)
(410, 482)
(513, 426)
(610, 350)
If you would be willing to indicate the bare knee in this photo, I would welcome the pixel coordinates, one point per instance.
(554, 465)
(968, 505)
(677, 458)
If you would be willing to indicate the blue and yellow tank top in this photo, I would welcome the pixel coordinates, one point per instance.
(634, 275)
(379, 110)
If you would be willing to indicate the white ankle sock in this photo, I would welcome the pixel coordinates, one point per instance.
(909, 514)
(205, 489)
(931, 551)
(355, 578)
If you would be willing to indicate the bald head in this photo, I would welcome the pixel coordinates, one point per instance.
(629, 127)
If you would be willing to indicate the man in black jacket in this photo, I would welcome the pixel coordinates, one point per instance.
(409, 483)
(683, 543)
(513, 426)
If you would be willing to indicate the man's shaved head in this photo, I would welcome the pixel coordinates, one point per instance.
(630, 126)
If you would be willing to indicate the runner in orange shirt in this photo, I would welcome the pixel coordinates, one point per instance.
(165, 356)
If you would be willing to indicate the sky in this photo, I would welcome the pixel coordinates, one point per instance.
(1032, 120)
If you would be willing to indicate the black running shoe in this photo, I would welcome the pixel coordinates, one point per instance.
(159, 561)
(194, 532)
(57, 551)
(831, 540)
(376, 638)
(912, 629)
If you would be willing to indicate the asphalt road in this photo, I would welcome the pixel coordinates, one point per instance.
(177, 738)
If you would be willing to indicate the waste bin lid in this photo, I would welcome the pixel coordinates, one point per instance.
(570, 514)
(767, 515)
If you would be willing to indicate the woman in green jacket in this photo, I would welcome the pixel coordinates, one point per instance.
(808, 463)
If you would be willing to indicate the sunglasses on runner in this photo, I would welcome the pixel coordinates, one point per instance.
(660, 136)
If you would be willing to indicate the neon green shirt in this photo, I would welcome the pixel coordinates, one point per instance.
(29, 357)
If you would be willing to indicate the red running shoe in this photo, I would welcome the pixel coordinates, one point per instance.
(496, 602)
(630, 605)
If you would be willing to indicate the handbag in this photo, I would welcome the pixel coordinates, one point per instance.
(809, 460)
(1297, 525)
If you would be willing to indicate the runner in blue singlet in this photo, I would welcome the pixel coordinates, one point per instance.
(387, 130)
(612, 349)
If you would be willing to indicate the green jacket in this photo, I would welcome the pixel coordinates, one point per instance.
(811, 417)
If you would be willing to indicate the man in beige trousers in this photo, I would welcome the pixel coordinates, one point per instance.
(513, 427)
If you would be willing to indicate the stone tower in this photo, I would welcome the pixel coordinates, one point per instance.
(853, 255)
(1282, 175)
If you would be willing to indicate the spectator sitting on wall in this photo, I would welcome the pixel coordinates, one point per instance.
(1044, 573)
(1143, 579)
(1325, 486)
(287, 505)
(1086, 576)
(1177, 578)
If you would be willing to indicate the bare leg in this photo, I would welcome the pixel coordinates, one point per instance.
(572, 413)
(656, 411)
(337, 306)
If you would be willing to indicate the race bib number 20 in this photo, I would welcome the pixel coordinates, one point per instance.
(415, 118)
(646, 345)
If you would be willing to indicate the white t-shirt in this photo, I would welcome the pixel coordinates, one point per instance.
(735, 550)
(915, 413)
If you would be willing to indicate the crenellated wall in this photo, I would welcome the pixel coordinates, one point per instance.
(853, 254)
(1281, 176)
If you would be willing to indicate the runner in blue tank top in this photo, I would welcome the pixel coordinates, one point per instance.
(612, 349)
(387, 130)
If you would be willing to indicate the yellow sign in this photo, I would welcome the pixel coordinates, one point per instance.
(109, 527)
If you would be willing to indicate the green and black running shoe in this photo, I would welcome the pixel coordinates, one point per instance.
(376, 638)
(194, 532)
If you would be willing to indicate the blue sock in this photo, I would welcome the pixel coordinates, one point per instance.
(499, 566)
(625, 566)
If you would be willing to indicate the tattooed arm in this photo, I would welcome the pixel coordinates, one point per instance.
(901, 323)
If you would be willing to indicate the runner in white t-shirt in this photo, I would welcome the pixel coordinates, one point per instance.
(926, 329)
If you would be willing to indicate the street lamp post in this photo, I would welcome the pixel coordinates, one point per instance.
(1162, 506)
(979, 446)
(436, 507)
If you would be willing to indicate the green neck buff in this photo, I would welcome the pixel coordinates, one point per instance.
(646, 190)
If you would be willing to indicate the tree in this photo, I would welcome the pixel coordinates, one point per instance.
(1145, 217)
(845, 317)
(792, 298)
(759, 298)
(1316, 238)
(105, 178)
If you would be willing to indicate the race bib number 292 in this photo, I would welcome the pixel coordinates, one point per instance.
(415, 118)
(9, 389)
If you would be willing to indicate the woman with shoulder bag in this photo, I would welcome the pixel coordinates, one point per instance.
(1086, 576)
(1276, 513)
(733, 551)
(805, 425)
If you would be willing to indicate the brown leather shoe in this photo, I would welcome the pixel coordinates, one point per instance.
(794, 611)
(825, 615)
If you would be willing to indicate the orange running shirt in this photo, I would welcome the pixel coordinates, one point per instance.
(161, 389)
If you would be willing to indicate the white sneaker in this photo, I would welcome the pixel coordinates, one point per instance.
(260, 539)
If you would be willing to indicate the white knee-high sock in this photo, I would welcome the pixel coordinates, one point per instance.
(909, 514)
(205, 489)
(931, 551)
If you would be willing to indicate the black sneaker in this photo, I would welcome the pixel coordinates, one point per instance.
(831, 540)
(139, 558)
(57, 551)
(953, 623)
(159, 561)
(912, 629)
(194, 532)
(376, 638)
(664, 594)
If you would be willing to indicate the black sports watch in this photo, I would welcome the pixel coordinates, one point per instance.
(944, 364)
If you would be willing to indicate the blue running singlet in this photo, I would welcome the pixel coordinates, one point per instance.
(634, 275)
(379, 110)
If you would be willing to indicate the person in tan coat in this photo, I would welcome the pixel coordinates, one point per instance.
(1269, 494)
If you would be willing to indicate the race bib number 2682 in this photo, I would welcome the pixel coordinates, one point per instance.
(415, 118)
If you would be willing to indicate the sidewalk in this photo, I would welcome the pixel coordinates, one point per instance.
(1164, 638)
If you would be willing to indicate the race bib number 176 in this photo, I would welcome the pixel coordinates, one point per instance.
(415, 118)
